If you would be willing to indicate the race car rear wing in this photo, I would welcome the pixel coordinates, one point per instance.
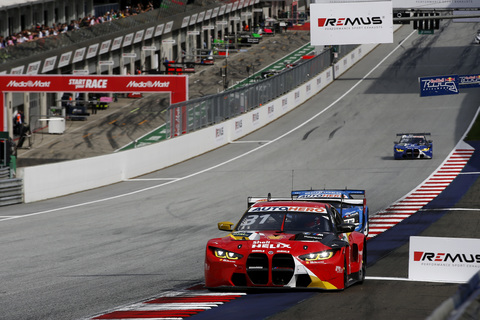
(340, 196)
(421, 134)
(329, 194)
(347, 196)
(415, 134)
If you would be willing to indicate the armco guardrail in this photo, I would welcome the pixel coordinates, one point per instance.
(11, 191)
(465, 304)
(4, 172)
(53, 180)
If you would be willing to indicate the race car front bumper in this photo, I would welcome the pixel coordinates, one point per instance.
(280, 270)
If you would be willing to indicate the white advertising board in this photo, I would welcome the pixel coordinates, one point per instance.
(351, 23)
(436, 4)
(441, 259)
(420, 4)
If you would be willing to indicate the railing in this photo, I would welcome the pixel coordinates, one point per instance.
(11, 190)
(198, 113)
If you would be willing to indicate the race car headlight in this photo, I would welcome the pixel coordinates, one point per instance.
(399, 150)
(322, 255)
(425, 149)
(225, 254)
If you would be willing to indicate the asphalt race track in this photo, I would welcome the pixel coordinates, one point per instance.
(81, 255)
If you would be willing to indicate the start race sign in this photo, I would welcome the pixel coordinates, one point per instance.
(176, 85)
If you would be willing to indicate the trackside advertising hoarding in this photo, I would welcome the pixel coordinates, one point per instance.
(438, 85)
(177, 86)
(469, 81)
(351, 23)
(443, 259)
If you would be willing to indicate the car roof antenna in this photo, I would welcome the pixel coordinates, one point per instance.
(293, 175)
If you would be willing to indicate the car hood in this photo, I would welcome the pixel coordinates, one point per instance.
(275, 239)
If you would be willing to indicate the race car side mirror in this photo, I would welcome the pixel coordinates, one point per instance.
(225, 226)
(346, 227)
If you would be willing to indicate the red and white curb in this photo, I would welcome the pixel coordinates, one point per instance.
(424, 193)
(172, 305)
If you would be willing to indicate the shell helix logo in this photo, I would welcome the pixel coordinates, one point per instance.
(269, 245)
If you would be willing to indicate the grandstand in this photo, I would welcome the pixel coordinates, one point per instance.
(139, 38)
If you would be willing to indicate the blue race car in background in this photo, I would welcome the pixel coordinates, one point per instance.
(413, 146)
(351, 204)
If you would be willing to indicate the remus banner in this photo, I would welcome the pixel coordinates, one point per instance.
(351, 23)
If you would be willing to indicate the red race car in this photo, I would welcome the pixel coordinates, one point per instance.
(286, 243)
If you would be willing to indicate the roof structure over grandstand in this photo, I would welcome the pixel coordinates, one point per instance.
(7, 4)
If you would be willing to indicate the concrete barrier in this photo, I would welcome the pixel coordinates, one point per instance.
(62, 178)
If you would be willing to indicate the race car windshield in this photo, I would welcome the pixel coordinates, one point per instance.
(412, 140)
(286, 222)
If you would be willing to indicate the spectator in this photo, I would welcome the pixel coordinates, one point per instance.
(18, 120)
(41, 31)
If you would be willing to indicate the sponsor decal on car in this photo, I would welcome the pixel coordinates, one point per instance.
(270, 245)
(288, 208)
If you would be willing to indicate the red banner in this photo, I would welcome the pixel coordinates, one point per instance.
(176, 85)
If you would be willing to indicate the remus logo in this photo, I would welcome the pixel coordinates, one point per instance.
(446, 257)
(343, 22)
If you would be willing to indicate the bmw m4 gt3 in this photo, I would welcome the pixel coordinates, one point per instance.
(286, 243)
(413, 146)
